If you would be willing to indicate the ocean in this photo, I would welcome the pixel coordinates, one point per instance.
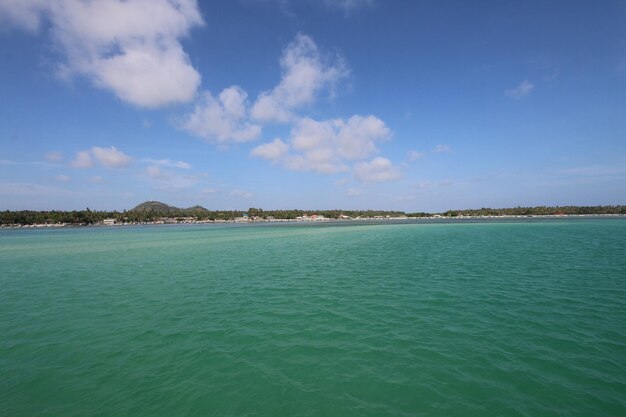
(486, 318)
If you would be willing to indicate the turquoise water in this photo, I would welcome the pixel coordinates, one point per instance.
(469, 319)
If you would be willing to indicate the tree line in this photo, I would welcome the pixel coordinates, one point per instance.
(87, 216)
(538, 211)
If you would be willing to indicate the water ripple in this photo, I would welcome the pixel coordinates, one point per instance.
(391, 320)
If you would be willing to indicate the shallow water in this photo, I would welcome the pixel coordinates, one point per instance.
(466, 319)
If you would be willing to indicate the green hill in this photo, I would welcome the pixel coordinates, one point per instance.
(162, 208)
(196, 209)
(155, 206)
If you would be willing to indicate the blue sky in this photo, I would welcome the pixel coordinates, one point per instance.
(355, 104)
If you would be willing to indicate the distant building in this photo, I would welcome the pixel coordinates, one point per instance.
(185, 219)
(108, 222)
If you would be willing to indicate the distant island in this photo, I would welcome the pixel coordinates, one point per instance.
(155, 212)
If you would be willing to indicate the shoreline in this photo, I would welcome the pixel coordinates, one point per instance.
(397, 220)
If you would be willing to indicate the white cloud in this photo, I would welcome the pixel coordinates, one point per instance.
(241, 193)
(22, 13)
(357, 137)
(96, 179)
(377, 170)
(305, 73)
(521, 91)
(108, 157)
(111, 157)
(348, 6)
(326, 146)
(442, 148)
(168, 163)
(146, 75)
(273, 150)
(415, 155)
(83, 160)
(222, 119)
(268, 108)
(61, 178)
(53, 156)
(131, 48)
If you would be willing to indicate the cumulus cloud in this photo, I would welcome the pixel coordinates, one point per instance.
(111, 157)
(378, 170)
(131, 48)
(22, 13)
(326, 146)
(82, 160)
(305, 73)
(222, 119)
(107, 157)
(521, 91)
(273, 150)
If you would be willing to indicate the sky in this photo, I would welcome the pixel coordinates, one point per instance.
(312, 104)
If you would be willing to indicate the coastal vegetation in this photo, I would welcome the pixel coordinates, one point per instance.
(152, 211)
(538, 211)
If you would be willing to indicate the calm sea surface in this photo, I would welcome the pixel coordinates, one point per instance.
(515, 318)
